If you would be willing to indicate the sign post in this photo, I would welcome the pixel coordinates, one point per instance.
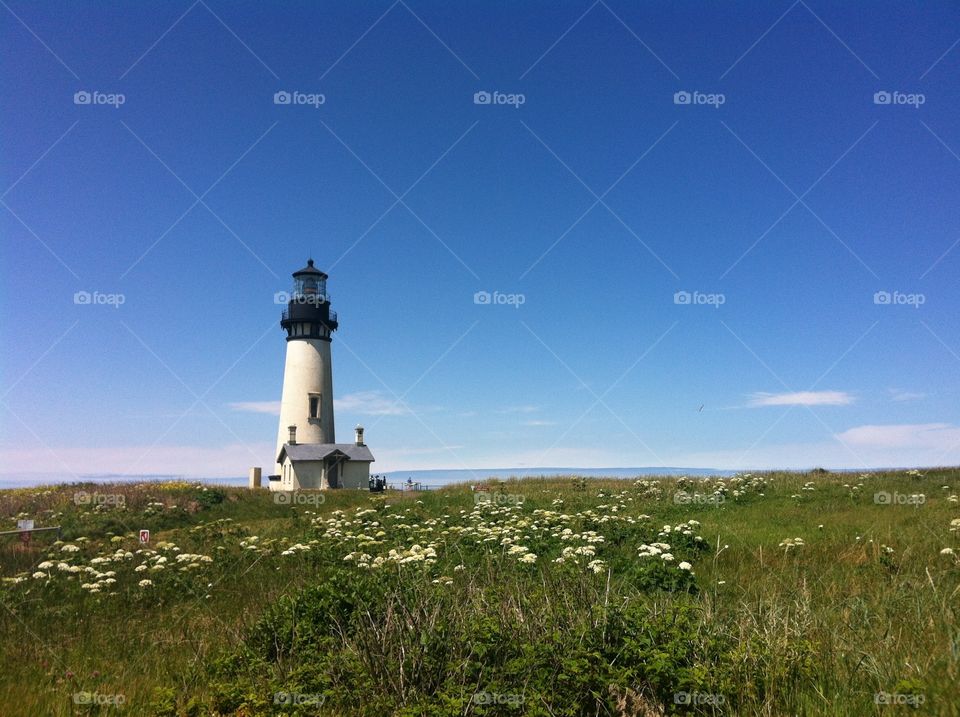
(25, 526)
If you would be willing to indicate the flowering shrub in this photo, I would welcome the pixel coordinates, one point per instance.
(585, 597)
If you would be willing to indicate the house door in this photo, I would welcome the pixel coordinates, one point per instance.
(333, 473)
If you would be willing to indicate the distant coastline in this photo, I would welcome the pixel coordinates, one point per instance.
(439, 477)
(432, 477)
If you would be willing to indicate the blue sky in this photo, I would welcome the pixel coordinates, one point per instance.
(781, 199)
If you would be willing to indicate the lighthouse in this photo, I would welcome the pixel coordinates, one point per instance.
(307, 455)
(307, 399)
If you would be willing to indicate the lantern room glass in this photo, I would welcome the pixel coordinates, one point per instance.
(310, 286)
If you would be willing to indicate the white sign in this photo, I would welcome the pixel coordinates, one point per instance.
(144, 536)
(24, 525)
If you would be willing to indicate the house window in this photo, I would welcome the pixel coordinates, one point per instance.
(315, 405)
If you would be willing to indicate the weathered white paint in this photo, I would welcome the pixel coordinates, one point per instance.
(307, 371)
(308, 475)
(356, 474)
(313, 475)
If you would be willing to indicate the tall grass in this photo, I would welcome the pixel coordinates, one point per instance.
(835, 626)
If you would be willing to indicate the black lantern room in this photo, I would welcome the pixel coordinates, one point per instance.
(308, 314)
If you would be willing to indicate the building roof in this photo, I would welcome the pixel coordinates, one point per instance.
(310, 269)
(319, 451)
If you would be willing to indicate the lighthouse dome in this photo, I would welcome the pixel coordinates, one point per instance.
(308, 270)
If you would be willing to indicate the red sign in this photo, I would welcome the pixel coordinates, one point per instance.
(144, 536)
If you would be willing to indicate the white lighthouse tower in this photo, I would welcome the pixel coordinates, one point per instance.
(307, 455)
(307, 399)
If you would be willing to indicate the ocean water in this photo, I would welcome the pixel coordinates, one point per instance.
(426, 478)
(436, 478)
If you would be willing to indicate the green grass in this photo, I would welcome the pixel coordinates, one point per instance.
(755, 628)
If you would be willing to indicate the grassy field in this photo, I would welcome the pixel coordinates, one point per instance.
(764, 594)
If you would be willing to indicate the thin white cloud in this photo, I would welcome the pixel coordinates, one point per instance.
(367, 403)
(213, 461)
(271, 407)
(898, 395)
(938, 436)
(536, 422)
(801, 398)
(370, 403)
(861, 447)
(519, 409)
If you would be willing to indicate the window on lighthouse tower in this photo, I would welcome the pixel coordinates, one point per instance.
(314, 405)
